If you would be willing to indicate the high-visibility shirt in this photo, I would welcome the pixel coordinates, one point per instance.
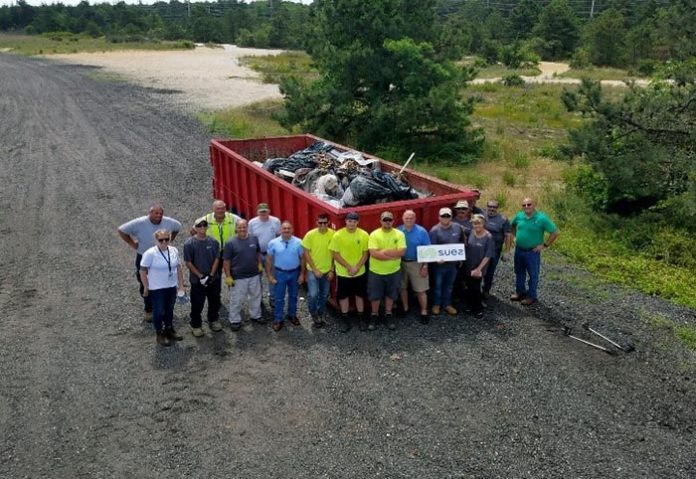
(221, 232)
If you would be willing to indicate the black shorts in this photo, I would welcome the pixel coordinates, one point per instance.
(351, 286)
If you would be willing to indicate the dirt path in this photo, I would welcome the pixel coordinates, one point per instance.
(549, 72)
(200, 79)
(85, 392)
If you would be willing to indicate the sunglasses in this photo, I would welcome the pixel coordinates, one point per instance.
(162, 240)
(493, 207)
(322, 222)
(389, 220)
(201, 226)
(527, 204)
(445, 216)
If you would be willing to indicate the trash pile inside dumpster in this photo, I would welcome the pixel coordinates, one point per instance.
(342, 179)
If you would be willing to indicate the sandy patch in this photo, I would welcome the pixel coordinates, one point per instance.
(203, 78)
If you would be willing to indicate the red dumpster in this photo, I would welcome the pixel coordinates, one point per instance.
(243, 184)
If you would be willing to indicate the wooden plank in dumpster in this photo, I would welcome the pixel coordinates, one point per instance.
(242, 184)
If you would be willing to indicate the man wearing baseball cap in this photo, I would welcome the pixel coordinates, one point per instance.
(386, 245)
(445, 232)
(264, 227)
(202, 258)
(349, 249)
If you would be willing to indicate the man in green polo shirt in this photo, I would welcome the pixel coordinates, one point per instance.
(386, 246)
(529, 227)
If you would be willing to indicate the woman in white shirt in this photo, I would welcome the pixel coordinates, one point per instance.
(161, 274)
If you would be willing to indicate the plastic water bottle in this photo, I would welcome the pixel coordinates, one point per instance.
(182, 297)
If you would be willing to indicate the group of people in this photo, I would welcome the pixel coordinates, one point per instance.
(375, 269)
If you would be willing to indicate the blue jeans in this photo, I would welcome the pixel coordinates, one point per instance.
(527, 262)
(163, 307)
(488, 277)
(445, 275)
(318, 293)
(286, 281)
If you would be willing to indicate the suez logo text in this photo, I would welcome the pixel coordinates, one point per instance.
(441, 252)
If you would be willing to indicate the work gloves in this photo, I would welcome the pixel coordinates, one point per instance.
(229, 281)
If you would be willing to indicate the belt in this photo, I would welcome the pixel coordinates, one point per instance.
(287, 270)
(524, 250)
(408, 260)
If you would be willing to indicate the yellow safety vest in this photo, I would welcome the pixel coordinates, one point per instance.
(221, 232)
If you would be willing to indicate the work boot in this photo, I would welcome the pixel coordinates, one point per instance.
(517, 297)
(362, 322)
(451, 310)
(173, 335)
(216, 326)
(162, 339)
(147, 316)
(345, 323)
(436, 310)
(373, 323)
(197, 332)
(235, 326)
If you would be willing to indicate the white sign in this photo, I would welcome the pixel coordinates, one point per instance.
(436, 253)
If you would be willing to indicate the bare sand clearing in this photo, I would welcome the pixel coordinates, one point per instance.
(202, 79)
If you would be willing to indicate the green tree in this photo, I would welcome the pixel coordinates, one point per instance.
(605, 39)
(642, 147)
(523, 17)
(383, 86)
(559, 28)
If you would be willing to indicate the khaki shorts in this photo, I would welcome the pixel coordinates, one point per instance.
(410, 274)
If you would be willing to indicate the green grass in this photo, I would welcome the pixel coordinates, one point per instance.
(685, 334)
(499, 71)
(274, 67)
(599, 73)
(69, 43)
(246, 122)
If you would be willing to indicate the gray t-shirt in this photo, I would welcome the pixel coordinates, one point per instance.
(242, 255)
(498, 226)
(477, 249)
(465, 224)
(451, 235)
(265, 231)
(143, 230)
(202, 253)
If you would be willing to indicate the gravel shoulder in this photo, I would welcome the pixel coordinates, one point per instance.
(85, 392)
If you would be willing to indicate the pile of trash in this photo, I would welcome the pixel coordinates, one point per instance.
(343, 179)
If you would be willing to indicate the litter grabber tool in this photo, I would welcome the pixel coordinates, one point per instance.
(627, 349)
(567, 331)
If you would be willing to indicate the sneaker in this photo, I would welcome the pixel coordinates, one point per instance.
(259, 320)
(528, 301)
(345, 323)
(294, 320)
(235, 326)
(318, 324)
(197, 332)
(517, 297)
(172, 334)
(485, 295)
(451, 310)
(389, 319)
(216, 326)
(277, 325)
(147, 317)
(436, 310)
(479, 315)
(372, 324)
(484, 303)
(424, 319)
(362, 323)
(163, 339)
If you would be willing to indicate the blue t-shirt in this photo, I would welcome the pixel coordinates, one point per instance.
(418, 236)
(286, 254)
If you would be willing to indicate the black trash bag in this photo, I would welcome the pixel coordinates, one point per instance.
(366, 190)
(400, 190)
(307, 158)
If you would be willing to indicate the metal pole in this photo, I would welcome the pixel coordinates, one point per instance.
(592, 9)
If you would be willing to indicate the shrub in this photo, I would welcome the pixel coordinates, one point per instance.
(513, 80)
(589, 184)
(509, 179)
(580, 59)
(521, 161)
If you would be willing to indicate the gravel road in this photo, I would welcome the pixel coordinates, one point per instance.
(85, 392)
